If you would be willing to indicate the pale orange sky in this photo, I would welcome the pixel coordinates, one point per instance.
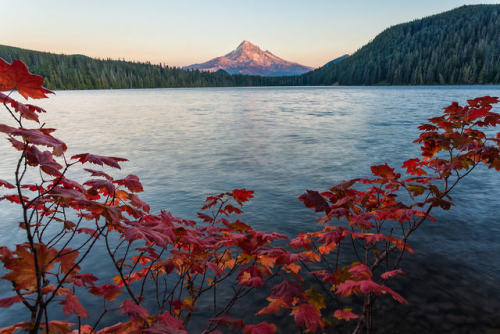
(180, 33)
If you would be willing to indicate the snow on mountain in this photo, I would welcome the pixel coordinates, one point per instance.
(249, 59)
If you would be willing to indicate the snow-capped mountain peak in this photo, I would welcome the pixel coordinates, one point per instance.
(249, 59)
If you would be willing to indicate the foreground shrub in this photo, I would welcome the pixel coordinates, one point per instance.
(183, 261)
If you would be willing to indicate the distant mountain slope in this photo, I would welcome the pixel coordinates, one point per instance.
(461, 46)
(82, 72)
(338, 59)
(249, 59)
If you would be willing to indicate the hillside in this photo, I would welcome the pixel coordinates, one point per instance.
(461, 46)
(82, 72)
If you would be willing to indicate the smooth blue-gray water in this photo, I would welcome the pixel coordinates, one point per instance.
(185, 144)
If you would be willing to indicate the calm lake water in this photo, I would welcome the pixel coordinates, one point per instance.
(185, 144)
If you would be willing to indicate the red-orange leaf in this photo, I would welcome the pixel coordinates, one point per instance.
(261, 328)
(109, 291)
(122, 327)
(229, 209)
(392, 273)
(250, 276)
(85, 279)
(99, 159)
(396, 296)
(361, 271)
(67, 258)
(133, 310)
(25, 325)
(347, 288)
(313, 199)
(308, 316)
(131, 182)
(16, 75)
(345, 314)
(45, 160)
(98, 173)
(166, 323)
(242, 195)
(7, 302)
(385, 172)
(287, 290)
(275, 305)
(72, 305)
(58, 327)
(41, 137)
(6, 184)
(22, 266)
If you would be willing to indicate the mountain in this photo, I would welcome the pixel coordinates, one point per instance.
(249, 59)
(82, 72)
(336, 60)
(461, 46)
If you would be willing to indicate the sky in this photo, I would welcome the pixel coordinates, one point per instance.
(180, 33)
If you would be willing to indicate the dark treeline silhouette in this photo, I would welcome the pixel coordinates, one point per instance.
(461, 46)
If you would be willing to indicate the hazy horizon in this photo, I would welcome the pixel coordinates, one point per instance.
(182, 33)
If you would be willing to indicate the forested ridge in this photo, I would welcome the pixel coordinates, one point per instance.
(82, 72)
(461, 46)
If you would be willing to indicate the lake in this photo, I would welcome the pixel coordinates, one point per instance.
(186, 144)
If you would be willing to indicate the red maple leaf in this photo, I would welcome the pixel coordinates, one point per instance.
(6, 184)
(250, 276)
(85, 279)
(133, 310)
(109, 291)
(7, 302)
(242, 195)
(369, 286)
(313, 199)
(122, 327)
(131, 182)
(361, 271)
(27, 111)
(345, 314)
(98, 185)
(260, 328)
(347, 288)
(392, 273)
(22, 267)
(385, 172)
(45, 160)
(99, 159)
(138, 203)
(229, 209)
(16, 75)
(396, 296)
(72, 305)
(41, 137)
(288, 291)
(275, 305)
(98, 173)
(169, 327)
(308, 316)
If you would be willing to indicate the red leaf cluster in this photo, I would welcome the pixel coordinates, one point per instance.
(368, 214)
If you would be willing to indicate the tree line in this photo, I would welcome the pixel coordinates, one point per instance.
(460, 46)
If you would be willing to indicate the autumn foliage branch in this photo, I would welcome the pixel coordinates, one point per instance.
(166, 265)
